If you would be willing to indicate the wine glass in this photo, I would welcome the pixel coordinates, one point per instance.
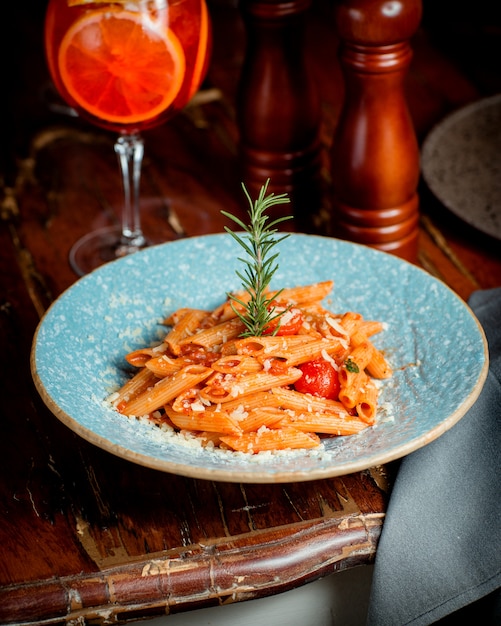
(125, 66)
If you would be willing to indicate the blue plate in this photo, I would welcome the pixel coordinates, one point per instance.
(435, 344)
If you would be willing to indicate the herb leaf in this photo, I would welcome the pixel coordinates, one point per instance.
(351, 366)
(260, 266)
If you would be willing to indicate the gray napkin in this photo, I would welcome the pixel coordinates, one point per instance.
(440, 548)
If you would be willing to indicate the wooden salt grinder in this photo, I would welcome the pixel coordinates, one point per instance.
(278, 108)
(374, 154)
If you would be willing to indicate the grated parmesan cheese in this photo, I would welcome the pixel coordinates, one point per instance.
(327, 357)
(336, 326)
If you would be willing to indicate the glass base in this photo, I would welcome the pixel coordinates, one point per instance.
(99, 247)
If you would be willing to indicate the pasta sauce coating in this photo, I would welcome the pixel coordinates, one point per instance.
(252, 394)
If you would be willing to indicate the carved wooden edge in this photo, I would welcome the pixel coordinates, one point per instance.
(234, 570)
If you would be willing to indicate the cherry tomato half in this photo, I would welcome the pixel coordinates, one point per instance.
(319, 378)
(289, 322)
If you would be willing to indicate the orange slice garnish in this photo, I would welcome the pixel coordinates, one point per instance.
(121, 67)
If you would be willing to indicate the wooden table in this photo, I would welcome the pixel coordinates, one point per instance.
(86, 537)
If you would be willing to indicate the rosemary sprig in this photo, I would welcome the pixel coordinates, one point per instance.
(260, 266)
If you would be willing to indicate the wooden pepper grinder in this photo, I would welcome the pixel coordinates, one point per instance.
(374, 154)
(278, 108)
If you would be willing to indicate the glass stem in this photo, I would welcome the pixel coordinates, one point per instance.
(130, 150)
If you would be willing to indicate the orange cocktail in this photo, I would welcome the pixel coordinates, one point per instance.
(125, 65)
(130, 64)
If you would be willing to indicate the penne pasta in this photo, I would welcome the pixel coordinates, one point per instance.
(164, 365)
(229, 308)
(351, 321)
(303, 352)
(174, 318)
(370, 327)
(367, 403)
(138, 358)
(184, 328)
(237, 364)
(256, 400)
(351, 389)
(305, 294)
(324, 423)
(213, 421)
(271, 439)
(260, 346)
(224, 387)
(378, 366)
(165, 390)
(215, 335)
(209, 383)
(140, 382)
(256, 418)
(306, 403)
(361, 354)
